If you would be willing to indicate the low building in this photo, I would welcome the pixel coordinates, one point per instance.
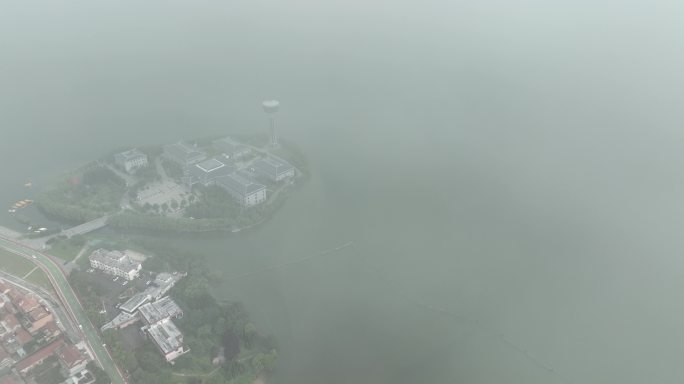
(38, 318)
(230, 149)
(71, 359)
(50, 331)
(247, 192)
(122, 320)
(207, 171)
(273, 168)
(114, 263)
(9, 324)
(162, 309)
(131, 160)
(168, 339)
(183, 154)
(5, 359)
(25, 365)
(140, 298)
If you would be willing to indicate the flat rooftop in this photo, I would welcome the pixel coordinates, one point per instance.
(164, 308)
(210, 165)
(166, 335)
(114, 259)
(135, 301)
(239, 184)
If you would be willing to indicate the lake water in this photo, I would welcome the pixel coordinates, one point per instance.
(509, 176)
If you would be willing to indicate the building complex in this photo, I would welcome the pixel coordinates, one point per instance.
(115, 263)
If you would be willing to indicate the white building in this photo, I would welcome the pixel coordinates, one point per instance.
(274, 168)
(131, 160)
(167, 337)
(114, 263)
(247, 192)
(207, 171)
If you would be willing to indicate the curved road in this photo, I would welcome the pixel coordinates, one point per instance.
(71, 303)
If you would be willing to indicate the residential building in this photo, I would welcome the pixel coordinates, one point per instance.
(247, 192)
(115, 263)
(9, 324)
(131, 160)
(207, 171)
(273, 168)
(25, 365)
(71, 359)
(167, 337)
(183, 154)
(37, 318)
(5, 359)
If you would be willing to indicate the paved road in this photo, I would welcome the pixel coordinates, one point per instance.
(48, 299)
(71, 303)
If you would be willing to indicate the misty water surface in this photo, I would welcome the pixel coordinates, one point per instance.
(509, 172)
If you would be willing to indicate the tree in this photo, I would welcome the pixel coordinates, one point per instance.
(100, 375)
(249, 334)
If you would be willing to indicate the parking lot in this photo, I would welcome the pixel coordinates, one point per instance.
(116, 290)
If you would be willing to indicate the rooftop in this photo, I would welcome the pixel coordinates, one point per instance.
(114, 259)
(70, 356)
(272, 166)
(166, 335)
(161, 309)
(183, 151)
(10, 321)
(135, 301)
(40, 355)
(210, 165)
(239, 184)
(23, 336)
(130, 154)
(121, 318)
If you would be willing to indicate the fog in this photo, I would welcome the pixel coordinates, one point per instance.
(509, 173)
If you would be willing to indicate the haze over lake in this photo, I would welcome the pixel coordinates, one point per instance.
(509, 174)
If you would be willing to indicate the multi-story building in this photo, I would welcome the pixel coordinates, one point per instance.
(244, 190)
(230, 149)
(207, 171)
(183, 154)
(273, 168)
(131, 160)
(114, 263)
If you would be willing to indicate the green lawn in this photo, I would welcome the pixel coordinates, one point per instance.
(65, 250)
(39, 278)
(14, 264)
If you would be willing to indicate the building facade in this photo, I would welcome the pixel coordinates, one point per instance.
(244, 190)
(131, 160)
(183, 154)
(114, 263)
(274, 169)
